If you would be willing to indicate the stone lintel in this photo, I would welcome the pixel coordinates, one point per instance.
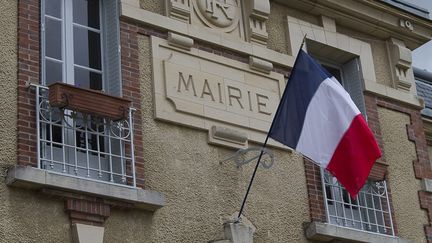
(37, 179)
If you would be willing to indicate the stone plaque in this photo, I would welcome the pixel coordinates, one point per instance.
(200, 89)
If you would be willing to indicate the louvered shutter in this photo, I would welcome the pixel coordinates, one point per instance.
(353, 83)
(111, 34)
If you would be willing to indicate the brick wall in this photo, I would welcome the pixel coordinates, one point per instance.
(131, 90)
(28, 71)
(315, 191)
(90, 211)
(379, 170)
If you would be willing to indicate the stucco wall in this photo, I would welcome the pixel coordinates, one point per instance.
(200, 193)
(379, 53)
(400, 153)
(8, 82)
(24, 215)
(277, 26)
(156, 6)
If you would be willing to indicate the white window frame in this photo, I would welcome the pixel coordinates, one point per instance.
(67, 25)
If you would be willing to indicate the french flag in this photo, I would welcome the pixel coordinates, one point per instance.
(317, 118)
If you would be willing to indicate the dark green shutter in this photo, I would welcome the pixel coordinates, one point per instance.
(353, 83)
(111, 35)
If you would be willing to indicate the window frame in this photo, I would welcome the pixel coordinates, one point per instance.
(349, 204)
(67, 43)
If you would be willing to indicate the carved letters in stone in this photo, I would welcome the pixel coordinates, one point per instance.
(214, 91)
(201, 90)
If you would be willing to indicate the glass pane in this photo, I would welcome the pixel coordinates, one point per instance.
(86, 12)
(88, 79)
(87, 48)
(53, 39)
(53, 8)
(334, 71)
(53, 71)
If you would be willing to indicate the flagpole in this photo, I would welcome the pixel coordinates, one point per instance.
(252, 178)
(303, 42)
(262, 152)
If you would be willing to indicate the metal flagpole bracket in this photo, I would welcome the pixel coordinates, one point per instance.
(246, 155)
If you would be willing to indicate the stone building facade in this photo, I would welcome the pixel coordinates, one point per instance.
(201, 80)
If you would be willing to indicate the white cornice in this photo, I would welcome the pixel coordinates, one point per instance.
(369, 16)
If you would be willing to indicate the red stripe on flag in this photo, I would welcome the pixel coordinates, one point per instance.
(354, 156)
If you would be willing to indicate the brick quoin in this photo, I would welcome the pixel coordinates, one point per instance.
(315, 191)
(84, 211)
(421, 166)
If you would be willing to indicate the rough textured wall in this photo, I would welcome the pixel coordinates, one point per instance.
(381, 63)
(276, 29)
(25, 216)
(379, 52)
(155, 6)
(8, 83)
(400, 153)
(200, 193)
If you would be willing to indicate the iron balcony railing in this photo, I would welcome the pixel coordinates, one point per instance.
(369, 212)
(82, 145)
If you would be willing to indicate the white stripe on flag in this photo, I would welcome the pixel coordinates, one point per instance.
(328, 116)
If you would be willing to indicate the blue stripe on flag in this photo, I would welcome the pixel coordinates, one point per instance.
(306, 76)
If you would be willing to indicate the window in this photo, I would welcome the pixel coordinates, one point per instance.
(80, 47)
(370, 211)
(81, 44)
(349, 75)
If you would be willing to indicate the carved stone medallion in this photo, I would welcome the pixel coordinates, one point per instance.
(220, 14)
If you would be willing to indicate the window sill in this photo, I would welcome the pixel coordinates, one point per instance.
(33, 178)
(323, 232)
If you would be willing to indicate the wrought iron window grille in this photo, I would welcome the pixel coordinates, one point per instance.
(83, 145)
(369, 212)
